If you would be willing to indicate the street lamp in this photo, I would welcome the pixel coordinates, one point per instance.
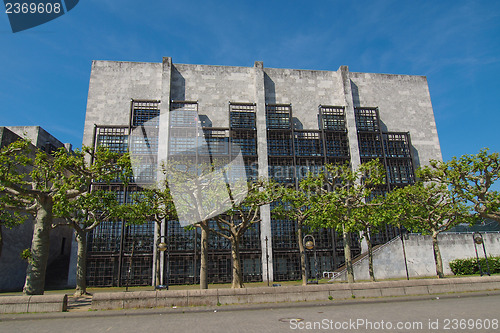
(267, 261)
(478, 240)
(311, 245)
(403, 234)
(162, 247)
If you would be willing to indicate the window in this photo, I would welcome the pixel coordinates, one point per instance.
(397, 144)
(278, 116)
(242, 116)
(279, 143)
(244, 141)
(336, 144)
(370, 145)
(145, 113)
(113, 138)
(308, 143)
(367, 119)
(332, 118)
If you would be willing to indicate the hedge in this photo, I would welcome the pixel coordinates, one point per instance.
(469, 266)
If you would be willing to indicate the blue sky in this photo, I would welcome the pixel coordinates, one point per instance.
(44, 72)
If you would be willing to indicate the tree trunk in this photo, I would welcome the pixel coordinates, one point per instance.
(370, 255)
(302, 253)
(204, 255)
(347, 255)
(81, 263)
(235, 256)
(437, 255)
(40, 247)
(158, 254)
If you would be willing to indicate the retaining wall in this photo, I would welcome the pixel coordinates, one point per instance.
(169, 298)
(36, 303)
(388, 260)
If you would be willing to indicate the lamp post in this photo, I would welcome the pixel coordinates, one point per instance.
(403, 234)
(311, 245)
(478, 240)
(267, 262)
(162, 247)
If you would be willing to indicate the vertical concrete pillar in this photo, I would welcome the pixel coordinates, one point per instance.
(163, 129)
(265, 211)
(352, 132)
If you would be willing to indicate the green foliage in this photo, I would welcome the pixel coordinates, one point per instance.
(237, 220)
(470, 178)
(26, 255)
(37, 182)
(28, 174)
(425, 208)
(344, 203)
(469, 266)
(151, 204)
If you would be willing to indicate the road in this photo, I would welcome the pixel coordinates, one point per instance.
(440, 314)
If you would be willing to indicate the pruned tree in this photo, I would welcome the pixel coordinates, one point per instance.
(151, 204)
(233, 224)
(370, 218)
(196, 188)
(345, 196)
(298, 204)
(84, 213)
(31, 180)
(429, 208)
(470, 178)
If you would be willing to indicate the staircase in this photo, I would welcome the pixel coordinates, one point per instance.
(357, 260)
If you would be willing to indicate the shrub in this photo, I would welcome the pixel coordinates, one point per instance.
(469, 266)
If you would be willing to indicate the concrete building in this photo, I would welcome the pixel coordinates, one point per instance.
(17, 239)
(285, 121)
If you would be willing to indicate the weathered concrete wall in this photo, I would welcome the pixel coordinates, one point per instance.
(38, 136)
(30, 304)
(335, 291)
(388, 260)
(213, 87)
(7, 136)
(404, 106)
(305, 90)
(112, 86)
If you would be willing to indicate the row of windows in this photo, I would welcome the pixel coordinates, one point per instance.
(393, 148)
(307, 143)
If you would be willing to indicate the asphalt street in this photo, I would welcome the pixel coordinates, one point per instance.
(449, 313)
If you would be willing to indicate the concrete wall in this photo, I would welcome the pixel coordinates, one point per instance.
(305, 90)
(404, 105)
(38, 136)
(213, 87)
(112, 86)
(388, 260)
(323, 292)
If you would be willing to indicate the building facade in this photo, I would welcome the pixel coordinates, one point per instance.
(285, 122)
